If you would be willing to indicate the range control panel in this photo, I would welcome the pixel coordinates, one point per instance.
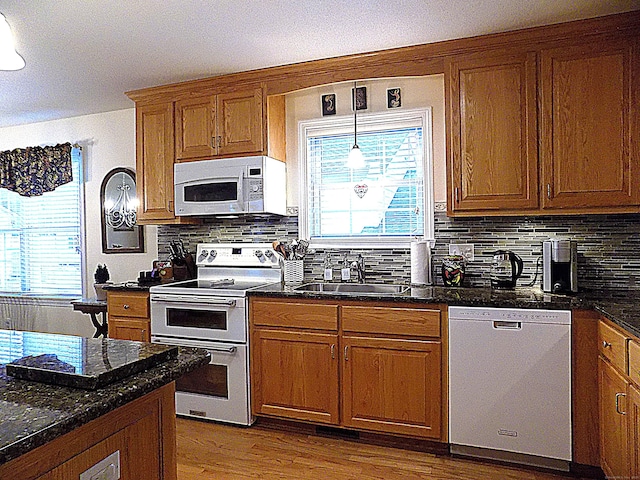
(236, 255)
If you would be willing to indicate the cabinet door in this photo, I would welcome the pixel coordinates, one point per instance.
(491, 122)
(195, 128)
(124, 328)
(154, 162)
(588, 128)
(613, 422)
(392, 386)
(240, 122)
(633, 414)
(295, 375)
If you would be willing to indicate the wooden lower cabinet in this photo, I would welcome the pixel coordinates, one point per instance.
(613, 424)
(368, 380)
(129, 316)
(392, 386)
(143, 431)
(297, 375)
(130, 329)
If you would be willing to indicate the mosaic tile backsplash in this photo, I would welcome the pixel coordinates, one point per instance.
(608, 246)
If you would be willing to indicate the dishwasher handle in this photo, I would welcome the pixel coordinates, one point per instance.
(504, 325)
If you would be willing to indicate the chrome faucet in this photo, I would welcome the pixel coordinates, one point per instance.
(359, 268)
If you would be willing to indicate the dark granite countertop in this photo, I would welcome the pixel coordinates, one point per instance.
(620, 306)
(33, 413)
(129, 286)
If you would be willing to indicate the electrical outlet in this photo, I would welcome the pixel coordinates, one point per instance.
(464, 249)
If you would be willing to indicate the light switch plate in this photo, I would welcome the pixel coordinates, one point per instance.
(464, 249)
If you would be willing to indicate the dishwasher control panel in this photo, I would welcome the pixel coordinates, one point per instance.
(525, 315)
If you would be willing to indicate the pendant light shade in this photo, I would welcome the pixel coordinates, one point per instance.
(9, 58)
(355, 159)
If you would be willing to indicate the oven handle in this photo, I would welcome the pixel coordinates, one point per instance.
(193, 301)
(223, 350)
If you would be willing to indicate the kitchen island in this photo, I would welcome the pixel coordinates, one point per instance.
(54, 432)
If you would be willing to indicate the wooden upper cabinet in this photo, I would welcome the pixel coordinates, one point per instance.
(589, 127)
(154, 162)
(220, 125)
(195, 127)
(491, 123)
(240, 122)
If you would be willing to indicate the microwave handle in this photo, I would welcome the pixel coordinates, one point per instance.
(241, 188)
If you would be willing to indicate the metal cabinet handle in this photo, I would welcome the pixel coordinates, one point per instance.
(219, 141)
(549, 190)
(346, 354)
(213, 141)
(618, 395)
(333, 351)
(126, 307)
(606, 344)
(457, 195)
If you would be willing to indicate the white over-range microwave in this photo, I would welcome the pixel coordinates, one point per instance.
(230, 186)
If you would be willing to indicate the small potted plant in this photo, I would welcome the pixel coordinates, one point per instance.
(101, 278)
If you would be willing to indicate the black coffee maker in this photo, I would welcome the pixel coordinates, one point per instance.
(560, 266)
(506, 268)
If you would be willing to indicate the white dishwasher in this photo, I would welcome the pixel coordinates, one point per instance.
(510, 385)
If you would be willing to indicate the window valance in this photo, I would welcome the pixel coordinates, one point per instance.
(33, 171)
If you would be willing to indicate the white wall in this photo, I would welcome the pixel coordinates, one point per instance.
(417, 92)
(108, 141)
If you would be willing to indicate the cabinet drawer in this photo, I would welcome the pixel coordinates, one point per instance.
(391, 320)
(294, 315)
(128, 304)
(634, 362)
(612, 345)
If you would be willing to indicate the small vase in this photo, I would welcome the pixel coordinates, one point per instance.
(453, 270)
(101, 293)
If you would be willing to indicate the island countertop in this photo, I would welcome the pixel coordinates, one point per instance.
(34, 413)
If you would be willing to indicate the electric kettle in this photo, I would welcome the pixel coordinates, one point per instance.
(506, 268)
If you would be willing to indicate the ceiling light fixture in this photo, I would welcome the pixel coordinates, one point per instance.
(9, 58)
(355, 159)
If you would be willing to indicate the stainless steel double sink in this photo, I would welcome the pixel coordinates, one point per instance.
(353, 288)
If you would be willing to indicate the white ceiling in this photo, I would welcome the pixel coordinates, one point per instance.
(82, 55)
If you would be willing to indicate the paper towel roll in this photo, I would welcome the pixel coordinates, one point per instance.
(420, 263)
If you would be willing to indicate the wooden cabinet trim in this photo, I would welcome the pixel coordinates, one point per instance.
(634, 361)
(426, 59)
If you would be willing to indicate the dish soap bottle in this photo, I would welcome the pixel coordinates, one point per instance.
(345, 272)
(328, 271)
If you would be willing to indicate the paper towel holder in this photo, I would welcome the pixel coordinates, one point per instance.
(421, 270)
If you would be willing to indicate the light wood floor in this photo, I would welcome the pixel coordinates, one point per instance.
(211, 451)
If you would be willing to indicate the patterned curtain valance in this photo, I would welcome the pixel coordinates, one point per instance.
(33, 171)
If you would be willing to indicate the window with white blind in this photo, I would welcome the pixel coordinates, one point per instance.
(385, 203)
(40, 240)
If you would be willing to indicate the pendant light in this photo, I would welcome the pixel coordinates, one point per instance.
(9, 58)
(355, 159)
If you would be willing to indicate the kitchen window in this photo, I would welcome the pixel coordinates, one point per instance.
(40, 240)
(386, 203)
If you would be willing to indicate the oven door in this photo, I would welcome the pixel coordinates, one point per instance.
(199, 318)
(218, 391)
